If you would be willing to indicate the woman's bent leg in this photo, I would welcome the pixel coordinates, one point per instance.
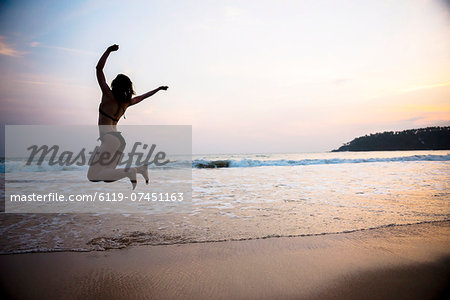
(105, 170)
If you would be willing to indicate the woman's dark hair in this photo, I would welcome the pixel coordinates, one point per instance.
(122, 88)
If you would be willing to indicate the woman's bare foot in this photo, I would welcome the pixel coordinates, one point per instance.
(143, 170)
(133, 177)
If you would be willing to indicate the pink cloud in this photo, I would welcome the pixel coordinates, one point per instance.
(8, 50)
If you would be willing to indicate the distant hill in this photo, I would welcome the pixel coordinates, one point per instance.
(430, 138)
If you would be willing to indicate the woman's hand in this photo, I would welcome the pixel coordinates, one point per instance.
(113, 48)
(163, 88)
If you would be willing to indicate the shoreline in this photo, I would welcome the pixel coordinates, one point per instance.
(409, 261)
(274, 236)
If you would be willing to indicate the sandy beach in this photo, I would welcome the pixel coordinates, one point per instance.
(396, 262)
(225, 150)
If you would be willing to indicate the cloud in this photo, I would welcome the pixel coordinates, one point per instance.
(71, 50)
(52, 82)
(232, 11)
(8, 50)
(340, 81)
(431, 86)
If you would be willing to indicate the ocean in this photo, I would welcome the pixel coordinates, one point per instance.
(239, 197)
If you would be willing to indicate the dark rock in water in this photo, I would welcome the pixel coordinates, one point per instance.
(213, 164)
(430, 138)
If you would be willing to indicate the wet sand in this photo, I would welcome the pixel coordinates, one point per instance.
(398, 262)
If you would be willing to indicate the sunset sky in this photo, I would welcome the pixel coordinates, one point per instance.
(249, 76)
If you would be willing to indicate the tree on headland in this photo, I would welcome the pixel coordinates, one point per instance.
(430, 138)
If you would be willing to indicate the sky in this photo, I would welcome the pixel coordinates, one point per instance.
(249, 76)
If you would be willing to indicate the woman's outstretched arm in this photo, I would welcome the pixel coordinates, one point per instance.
(138, 99)
(101, 64)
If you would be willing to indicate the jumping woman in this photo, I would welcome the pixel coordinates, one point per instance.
(115, 101)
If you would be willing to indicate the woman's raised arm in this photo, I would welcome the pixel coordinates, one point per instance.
(138, 99)
(101, 64)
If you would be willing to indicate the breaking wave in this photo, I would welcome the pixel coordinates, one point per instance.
(246, 163)
(13, 166)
